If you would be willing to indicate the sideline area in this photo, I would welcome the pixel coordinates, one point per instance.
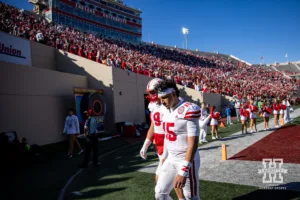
(237, 171)
(119, 179)
(119, 176)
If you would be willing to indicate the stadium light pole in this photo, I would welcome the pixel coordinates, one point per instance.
(185, 32)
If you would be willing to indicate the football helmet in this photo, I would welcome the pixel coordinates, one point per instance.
(152, 95)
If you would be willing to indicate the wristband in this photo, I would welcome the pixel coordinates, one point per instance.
(147, 143)
(184, 169)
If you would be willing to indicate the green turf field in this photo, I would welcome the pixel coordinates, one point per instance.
(296, 121)
(296, 106)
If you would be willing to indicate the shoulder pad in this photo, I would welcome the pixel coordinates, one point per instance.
(151, 106)
(188, 111)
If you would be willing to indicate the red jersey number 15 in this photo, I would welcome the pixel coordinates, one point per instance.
(171, 136)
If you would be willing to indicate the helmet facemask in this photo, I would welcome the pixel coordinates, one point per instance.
(152, 97)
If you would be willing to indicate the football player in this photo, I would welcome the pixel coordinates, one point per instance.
(156, 134)
(181, 159)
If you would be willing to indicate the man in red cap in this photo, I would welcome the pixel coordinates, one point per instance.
(91, 143)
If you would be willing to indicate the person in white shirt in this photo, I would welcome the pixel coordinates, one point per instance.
(71, 128)
(203, 121)
(39, 36)
(281, 113)
(197, 85)
(287, 111)
(237, 106)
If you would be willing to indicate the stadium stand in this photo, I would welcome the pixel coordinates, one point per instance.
(212, 73)
(287, 68)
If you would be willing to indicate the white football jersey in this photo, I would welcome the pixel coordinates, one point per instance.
(151, 106)
(179, 124)
(157, 117)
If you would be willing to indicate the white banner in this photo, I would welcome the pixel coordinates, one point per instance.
(14, 49)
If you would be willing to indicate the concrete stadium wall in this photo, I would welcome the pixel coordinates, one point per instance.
(225, 100)
(34, 101)
(129, 90)
(190, 95)
(42, 56)
(198, 97)
(99, 77)
(127, 107)
(213, 99)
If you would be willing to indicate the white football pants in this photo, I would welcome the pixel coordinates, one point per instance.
(168, 173)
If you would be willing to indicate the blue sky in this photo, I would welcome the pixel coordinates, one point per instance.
(247, 29)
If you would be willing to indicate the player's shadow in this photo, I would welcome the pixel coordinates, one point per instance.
(94, 189)
(92, 193)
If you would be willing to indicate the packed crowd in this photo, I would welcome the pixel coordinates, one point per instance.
(291, 73)
(213, 74)
(272, 67)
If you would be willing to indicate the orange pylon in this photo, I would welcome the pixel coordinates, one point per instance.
(224, 152)
(222, 124)
(282, 121)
